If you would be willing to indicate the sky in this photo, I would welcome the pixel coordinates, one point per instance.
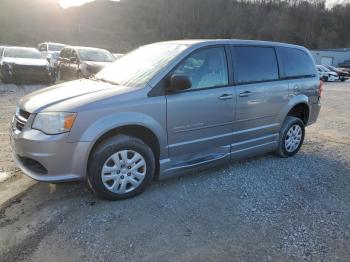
(69, 3)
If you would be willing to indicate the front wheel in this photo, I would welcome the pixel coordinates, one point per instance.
(121, 167)
(291, 137)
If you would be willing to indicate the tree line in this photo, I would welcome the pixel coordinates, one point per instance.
(121, 26)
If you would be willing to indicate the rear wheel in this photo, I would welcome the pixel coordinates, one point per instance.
(291, 137)
(121, 167)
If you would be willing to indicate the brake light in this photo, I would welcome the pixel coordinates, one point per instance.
(320, 88)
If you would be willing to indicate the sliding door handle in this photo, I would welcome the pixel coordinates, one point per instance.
(245, 94)
(226, 96)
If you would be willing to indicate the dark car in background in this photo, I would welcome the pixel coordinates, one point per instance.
(345, 65)
(343, 75)
(23, 64)
(81, 62)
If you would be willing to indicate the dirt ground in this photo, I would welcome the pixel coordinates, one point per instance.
(260, 209)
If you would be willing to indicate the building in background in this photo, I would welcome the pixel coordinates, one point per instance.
(332, 57)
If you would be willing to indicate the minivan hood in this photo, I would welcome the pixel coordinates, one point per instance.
(97, 65)
(66, 92)
(25, 61)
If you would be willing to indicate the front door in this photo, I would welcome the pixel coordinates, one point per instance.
(261, 97)
(200, 119)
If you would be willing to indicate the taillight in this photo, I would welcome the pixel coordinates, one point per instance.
(320, 88)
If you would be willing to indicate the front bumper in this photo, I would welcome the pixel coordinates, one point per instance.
(48, 158)
(26, 74)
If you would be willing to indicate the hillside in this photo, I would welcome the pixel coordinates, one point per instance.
(120, 26)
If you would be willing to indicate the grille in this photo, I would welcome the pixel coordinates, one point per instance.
(25, 69)
(24, 114)
(21, 118)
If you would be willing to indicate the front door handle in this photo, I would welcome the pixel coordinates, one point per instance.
(226, 96)
(245, 94)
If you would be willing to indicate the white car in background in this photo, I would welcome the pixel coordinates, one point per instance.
(327, 75)
(117, 56)
(51, 51)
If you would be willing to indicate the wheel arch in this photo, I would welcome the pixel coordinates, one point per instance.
(300, 110)
(299, 107)
(139, 131)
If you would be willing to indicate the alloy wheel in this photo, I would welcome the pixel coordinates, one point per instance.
(123, 171)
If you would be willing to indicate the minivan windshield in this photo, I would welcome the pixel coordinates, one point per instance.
(22, 53)
(95, 55)
(139, 66)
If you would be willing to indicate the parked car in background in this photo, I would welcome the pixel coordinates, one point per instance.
(331, 76)
(81, 62)
(345, 66)
(117, 56)
(1, 50)
(343, 75)
(167, 108)
(24, 64)
(51, 51)
(323, 75)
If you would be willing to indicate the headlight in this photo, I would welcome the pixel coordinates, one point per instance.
(52, 123)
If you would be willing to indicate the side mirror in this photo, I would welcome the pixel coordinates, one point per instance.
(73, 59)
(179, 82)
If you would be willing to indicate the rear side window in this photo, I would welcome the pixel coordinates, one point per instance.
(254, 64)
(295, 62)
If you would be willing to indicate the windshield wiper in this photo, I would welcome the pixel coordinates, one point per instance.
(103, 80)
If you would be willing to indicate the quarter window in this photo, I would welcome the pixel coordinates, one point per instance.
(205, 68)
(254, 64)
(295, 62)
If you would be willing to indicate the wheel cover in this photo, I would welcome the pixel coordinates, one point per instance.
(293, 138)
(123, 171)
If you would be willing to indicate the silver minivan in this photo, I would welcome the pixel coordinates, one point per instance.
(166, 108)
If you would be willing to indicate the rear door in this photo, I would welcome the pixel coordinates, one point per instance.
(261, 96)
(200, 119)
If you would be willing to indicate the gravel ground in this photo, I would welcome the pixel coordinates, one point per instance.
(261, 209)
(9, 96)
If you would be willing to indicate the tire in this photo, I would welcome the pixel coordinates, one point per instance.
(325, 79)
(106, 163)
(291, 124)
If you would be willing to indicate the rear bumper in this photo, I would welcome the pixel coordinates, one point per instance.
(314, 112)
(49, 158)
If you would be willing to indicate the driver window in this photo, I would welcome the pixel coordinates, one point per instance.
(205, 68)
